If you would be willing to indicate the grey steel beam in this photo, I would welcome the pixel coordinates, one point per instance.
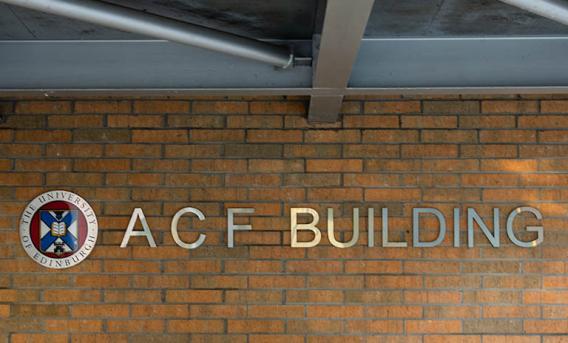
(484, 63)
(556, 10)
(324, 108)
(83, 65)
(60, 93)
(413, 66)
(125, 19)
(335, 53)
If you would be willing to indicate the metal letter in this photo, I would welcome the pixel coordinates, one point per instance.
(174, 228)
(371, 227)
(231, 227)
(416, 227)
(538, 229)
(456, 227)
(386, 243)
(330, 230)
(473, 216)
(294, 227)
(138, 214)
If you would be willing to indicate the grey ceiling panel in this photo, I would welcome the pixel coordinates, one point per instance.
(11, 26)
(274, 19)
(440, 18)
(294, 19)
(44, 26)
(268, 19)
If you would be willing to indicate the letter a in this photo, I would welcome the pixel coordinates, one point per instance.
(130, 230)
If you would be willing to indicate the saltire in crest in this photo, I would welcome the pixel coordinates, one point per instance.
(59, 231)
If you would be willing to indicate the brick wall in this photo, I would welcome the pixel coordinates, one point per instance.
(163, 155)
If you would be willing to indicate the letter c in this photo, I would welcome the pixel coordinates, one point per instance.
(174, 228)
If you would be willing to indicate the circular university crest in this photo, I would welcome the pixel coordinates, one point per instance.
(58, 229)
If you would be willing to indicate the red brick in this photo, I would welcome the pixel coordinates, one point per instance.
(554, 106)
(552, 136)
(374, 267)
(160, 311)
(47, 136)
(199, 135)
(74, 150)
(41, 107)
(39, 338)
(508, 106)
(391, 107)
(371, 180)
(274, 136)
(333, 194)
(136, 325)
(276, 338)
(371, 121)
(452, 339)
(545, 297)
(429, 151)
(314, 151)
(452, 312)
(489, 151)
(511, 312)
(135, 121)
(220, 165)
(487, 122)
(253, 267)
(453, 107)
(193, 296)
(160, 136)
(389, 136)
(75, 121)
(108, 106)
(366, 150)
(282, 281)
(392, 194)
(70, 326)
(219, 107)
(94, 338)
(255, 326)
(334, 166)
(277, 107)
(255, 122)
(195, 121)
(545, 326)
(161, 106)
(101, 136)
(313, 267)
(511, 339)
(542, 121)
(257, 180)
(102, 165)
(100, 310)
(333, 136)
(425, 122)
(195, 326)
(433, 326)
(132, 150)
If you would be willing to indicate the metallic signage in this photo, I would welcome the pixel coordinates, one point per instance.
(58, 229)
(473, 220)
